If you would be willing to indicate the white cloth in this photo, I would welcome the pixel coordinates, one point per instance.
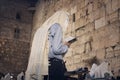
(7, 77)
(56, 47)
(92, 70)
(19, 77)
(38, 60)
(99, 71)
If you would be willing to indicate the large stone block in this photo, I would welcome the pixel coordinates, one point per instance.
(77, 16)
(77, 59)
(113, 16)
(84, 29)
(115, 4)
(117, 53)
(96, 14)
(84, 38)
(80, 22)
(88, 47)
(109, 53)
(117, 50)
(86, 2)
(106, 36)
(79, 49)
(100, 54)
(82, 3)
(73, 10)
(91, 17)
(95, 5)
(109, 7)
(100, 22)
(102, 11)
(90, 8)
(82, 12)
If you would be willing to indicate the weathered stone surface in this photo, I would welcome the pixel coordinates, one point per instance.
(110, 37)
(79, 49)
(100, 55)
(115, 5)
(88, 47)
(100, 23)
(14, 50)
(117, 50)
(109, 7)
(80, 22)
(113, 17)
(84, 38)
(109, 52)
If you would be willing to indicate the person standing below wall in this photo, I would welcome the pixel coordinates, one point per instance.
(57, 50)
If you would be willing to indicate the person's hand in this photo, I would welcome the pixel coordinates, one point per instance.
(67, 43)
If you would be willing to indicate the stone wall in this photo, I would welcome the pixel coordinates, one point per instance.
(95, 23)
(15, 35)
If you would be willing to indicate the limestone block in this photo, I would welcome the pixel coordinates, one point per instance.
(119, 3)
(96, 14)
(71, 19)
(87, 20)
(87, 28)
(119, 13)
(84, 38)
(106, 36)
(78, 5)
(90, 27)
(86, 2)
(76, 59)
(77, 32)
(109, 49)
(118, 60)
(113, 63)
(117, 50)
(83, 12)
(80, 30)
(80, 49)
(95, 5)
(77, 16)
(82, 3)
(117, 53)
(109, 52)
(88, 47)
(115, 5)
(100, 54)
(90, 8)
(109, 7)
(106, 1)
(100, 22)
(114, 16)
(91, 17)
(117, 47)
(102, 11)
(73, 10)
(80, 22)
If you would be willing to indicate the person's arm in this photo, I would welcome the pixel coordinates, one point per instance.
(57, 45)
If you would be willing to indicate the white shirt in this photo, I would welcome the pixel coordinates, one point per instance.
(56, 49)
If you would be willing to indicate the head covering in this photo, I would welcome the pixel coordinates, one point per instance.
(38, 60)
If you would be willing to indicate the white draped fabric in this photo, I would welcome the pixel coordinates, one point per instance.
(38, 60)
(99, 71)
(19, 77)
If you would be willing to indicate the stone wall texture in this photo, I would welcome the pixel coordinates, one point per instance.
(15, 35)
(95, 23)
